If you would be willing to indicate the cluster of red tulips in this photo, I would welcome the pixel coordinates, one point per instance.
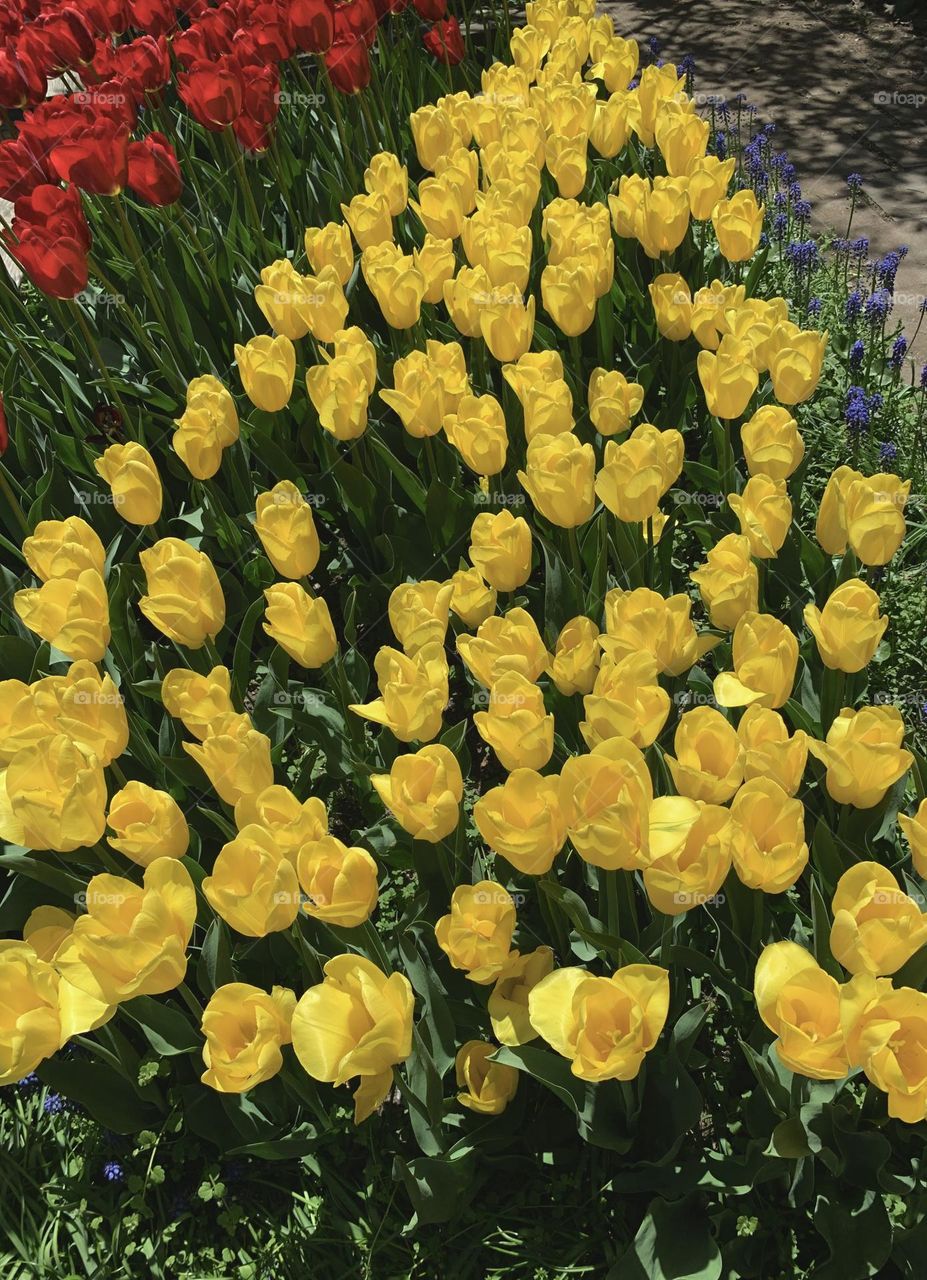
(224, 60)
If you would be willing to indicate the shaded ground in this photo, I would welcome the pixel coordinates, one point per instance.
(848, 90)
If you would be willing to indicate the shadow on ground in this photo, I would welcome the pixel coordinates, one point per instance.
(848, 91)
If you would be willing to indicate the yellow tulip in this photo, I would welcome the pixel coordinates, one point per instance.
(267, 367)
(510, 642)
(208, 426)
(801, 1005)
(290, 822)
(184, 599)
(396, 282)
(524, 820)
(672, 306)
(609, 792)
(245, 1029)
(874, 513)
(738, 224)
(287, 530)
(681, 136)
(63, 549)
(915, 831)
(428, 386)
(517, 725)
(330, 246)
(295, 305)
(486, 1087)
(435, 133)
(413, 693)
(576, 657)
(131, 473)
(465, 296)
(711, 308)
(148, 824)
(339, 392)
(559, 479)
(83, 706)
(771, 442)
(613, 401)
(340, 883)
(885, 1033)
(55, 797)
(770, 851)
(440, 207)
(460, 170)
(199, 701)
(795, 362)
(386, 176)
(478, 431)
(506, 321)
(728, 581)
(423, 791)
(690, 853)
(418, 613)
(709, 763)
(436, 264)
(508, 1002)
(643, 621)
(369, 218)
(235, 757)
(637, 473)
(728, 378)
(472, 599)
(70, 613)
(566, 162)
(253, 887)
(133, 939)
(863, 755)
(30, 1021)
(657, 84)
(614, 120)
(709, 179)
(765, 658)
(357, 1022)
(476, 936)
(764, 512)
(500, 548)
(849, 628)
(626, 702)
(604, 1026)
(300, 624)
(617, 64)
(502, 251)
(877, 927)
(770, 752)
(662, 218)
(568, 293)
(529, 46)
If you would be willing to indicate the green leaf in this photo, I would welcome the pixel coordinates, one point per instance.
(167, 1030)
(674, 1242)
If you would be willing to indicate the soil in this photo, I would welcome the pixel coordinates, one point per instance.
(847, 87)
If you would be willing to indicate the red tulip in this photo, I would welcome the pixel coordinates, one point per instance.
(269, 30)
(19, 171)
(145, 64)
(21, 81)
(261, 100)
(348, 65)
(430, 10)
(67, 36)
(154, 17)
(312, 25)
(50, 240)
(213, 91)
(444, 42)
(154, 173)
(356, 20)
(96, 159)
(254, 135)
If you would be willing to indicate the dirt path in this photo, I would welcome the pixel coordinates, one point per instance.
(848, 91)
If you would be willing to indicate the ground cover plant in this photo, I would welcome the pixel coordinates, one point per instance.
(459, 721)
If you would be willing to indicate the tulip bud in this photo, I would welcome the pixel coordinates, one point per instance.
(330, 246)
(728, 581)
(764, 513)
(396, 282)
(63, 549)
(339, 392)
(709, 178)
(131, 473)
(738, 224)
(418, 614)
(500, 548)
(197, 700)
(613, 401)
(386, 176)
(471, 599)
(300, 624)
(487, 1087)
(479, 432)
(184, 599)
(849, 628)
(287, 530)
(295, 305)
(429, 386)
(728, 378)
(208, 426)
(437, 264)
(795, 362)
(771, 442)
(267, 367)
(517, 725)
(576, 660)
(559, 478)
(506, 323)
(368, 216)
(626, 702)
(235, 757)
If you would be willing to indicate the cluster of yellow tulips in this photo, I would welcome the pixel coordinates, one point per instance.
(508, 171)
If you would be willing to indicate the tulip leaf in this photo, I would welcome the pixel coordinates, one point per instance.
(103, 1091)
(858, 1233)
(674, 1242)
(438, 1186)
(166, 1029)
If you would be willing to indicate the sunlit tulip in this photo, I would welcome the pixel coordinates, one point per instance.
(863, 755)
(801, 1005)
(849, 627)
